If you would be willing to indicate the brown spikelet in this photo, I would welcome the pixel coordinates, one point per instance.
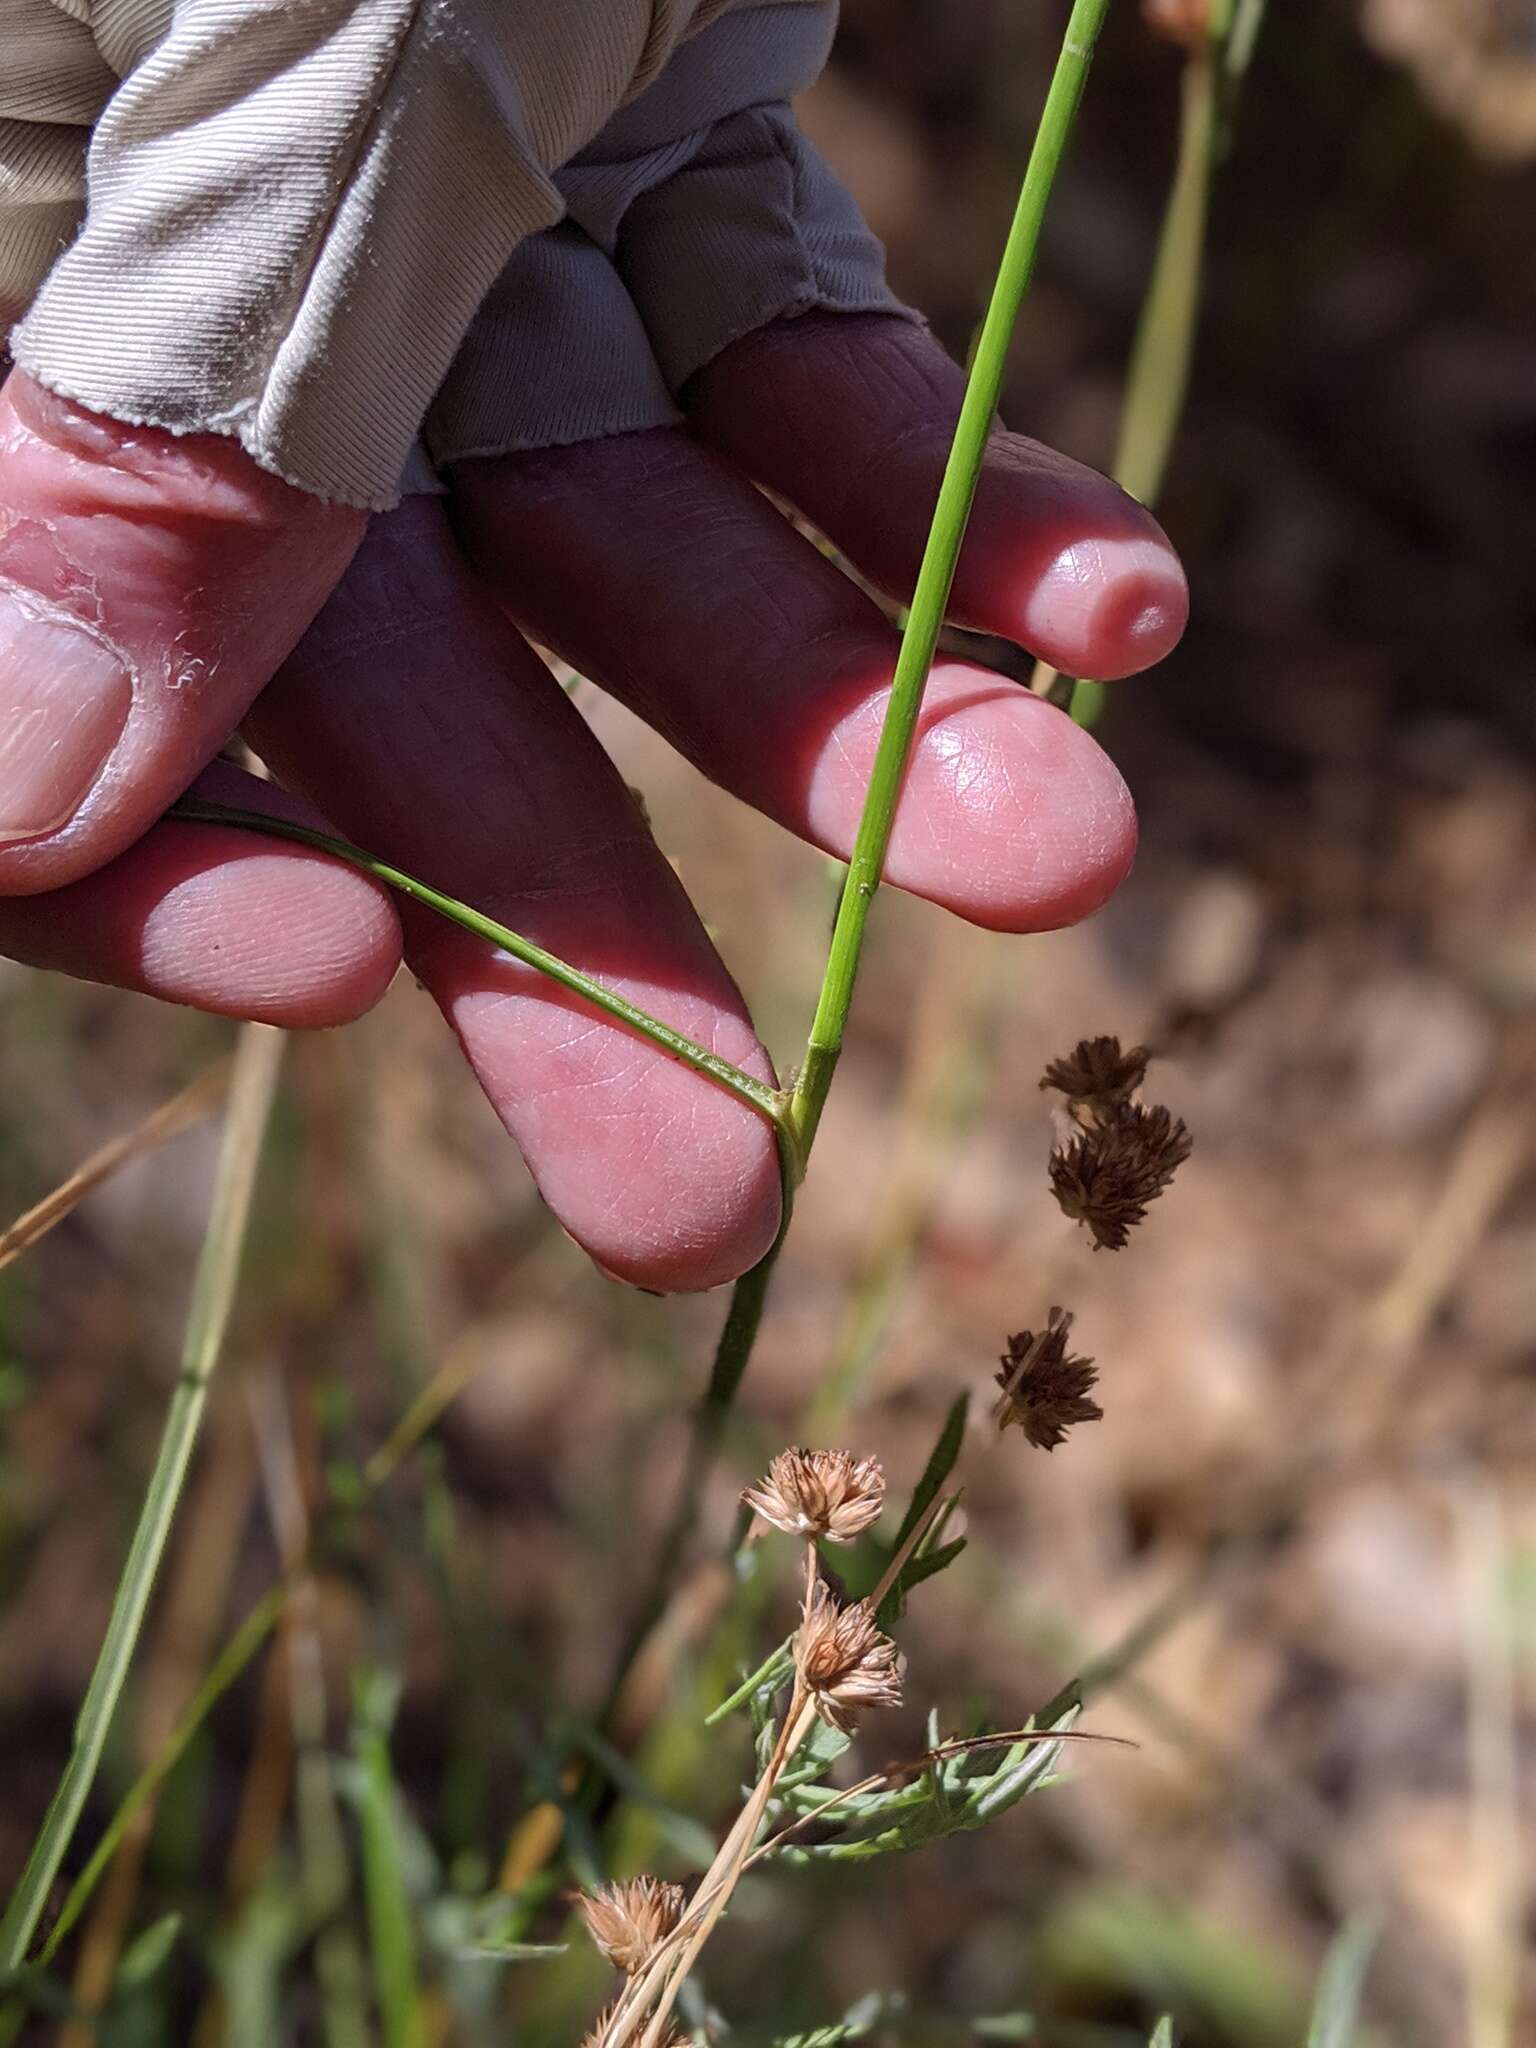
(845, 1663)
(629, 1921)
(1097, 1075)
(1114, 1167)
(599, 2034)
(819, 1493)
(1045, 1389)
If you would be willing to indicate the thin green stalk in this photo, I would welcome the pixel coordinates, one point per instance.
(919, 640)
(931, 595)
(231, 1661)
(746, 1087)
(1157, 379)
(390, 1933)
(251, 1091)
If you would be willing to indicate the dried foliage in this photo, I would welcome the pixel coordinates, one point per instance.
(1110, 1172)
(818, 1494)
(629, 1921)
(844, 1662)
(1045, 1388)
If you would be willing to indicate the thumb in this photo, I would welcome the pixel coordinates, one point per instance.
(149, 586)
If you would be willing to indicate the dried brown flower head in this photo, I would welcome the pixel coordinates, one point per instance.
(819, 1493)
(1114, 1167)
(1097, 1075)
(845, 1664)
(628, 1922)
(1045, 1389)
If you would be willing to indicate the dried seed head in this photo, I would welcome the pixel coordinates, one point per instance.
(844, 1662)
(1113, 1168)
(1097, 1075)
(819, 1493)
(1045, 1390)
(1187, 22)
(600, 2026)
(628, 1922)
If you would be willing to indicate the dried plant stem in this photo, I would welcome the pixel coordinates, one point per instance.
(254, 1084)
(197, 1100)
(656, 1987)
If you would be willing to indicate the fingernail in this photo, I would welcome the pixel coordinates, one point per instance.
(64, 700)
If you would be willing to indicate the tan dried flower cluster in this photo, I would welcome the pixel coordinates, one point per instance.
(1045, 1389)
(819, 1493)
(1124, 1153)
(630, 1921)
(845, 1664)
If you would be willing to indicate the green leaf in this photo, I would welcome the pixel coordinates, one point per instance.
(391, 1934)
(1162, 2033)
(942, 1460)
(856, 2023)
(1339, 1988)
(149, 1951)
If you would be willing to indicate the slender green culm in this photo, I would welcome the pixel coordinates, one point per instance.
(931, 595)
(257, 1061)
(746, 1087)
(1157, 378)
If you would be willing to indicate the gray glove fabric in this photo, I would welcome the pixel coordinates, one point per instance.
(326, 227)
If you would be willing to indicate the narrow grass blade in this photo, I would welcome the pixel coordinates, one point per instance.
(391, 1934)
(227, 1667)
(1339, 1989)
(254, 1084)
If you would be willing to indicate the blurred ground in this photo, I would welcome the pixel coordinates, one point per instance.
(1317, 1357)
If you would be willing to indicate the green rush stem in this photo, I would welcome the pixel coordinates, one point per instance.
(920, 638)
(257, 1061)
(1157, 379)
(756, 1094)
(798, 1125)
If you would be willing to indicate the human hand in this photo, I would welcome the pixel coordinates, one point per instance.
(416, 719)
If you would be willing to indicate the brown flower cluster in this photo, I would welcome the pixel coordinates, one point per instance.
(845, 1664)
(1124, 1152)
(1097, 1076)
(1045, 1389)
(819, 1493)
(630, 1921)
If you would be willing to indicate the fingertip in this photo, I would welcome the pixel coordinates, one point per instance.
(283, 937)
(1011, 816)
(662, 1177)
(1107, 606)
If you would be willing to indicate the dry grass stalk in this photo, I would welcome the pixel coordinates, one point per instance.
(199, 1099)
